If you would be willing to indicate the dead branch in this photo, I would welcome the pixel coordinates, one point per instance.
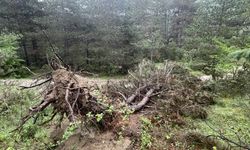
(33, 111)
(29, 70)
(59, 59)
(123, 96)
(221, 136)
(29, 87)
(69, 94)
(47, 121)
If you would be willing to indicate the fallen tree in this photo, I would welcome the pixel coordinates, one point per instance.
(170, 86)
(169, 91)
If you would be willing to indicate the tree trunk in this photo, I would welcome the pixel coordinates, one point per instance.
(34, 49)
(25, 52)
(87, 53)
(222, 14)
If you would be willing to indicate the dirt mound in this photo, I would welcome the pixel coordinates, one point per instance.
(104, 141)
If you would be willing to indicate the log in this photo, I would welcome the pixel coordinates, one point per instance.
(133, 96)
(144, 101)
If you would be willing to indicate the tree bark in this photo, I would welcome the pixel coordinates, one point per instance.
(34, 48)
(87, 53)
(25, 52)
(143, 101)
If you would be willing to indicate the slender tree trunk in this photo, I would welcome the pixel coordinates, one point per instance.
(34, 48)
(151, 55)
(66, 52)
(25, 52)
(166, 26)
(87, 53)
(222, 13)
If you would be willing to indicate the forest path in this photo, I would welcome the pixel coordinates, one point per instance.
(28, 82)
(91, 80)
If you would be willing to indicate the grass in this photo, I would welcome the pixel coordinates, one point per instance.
(13, 105)
(231, 116)
(105, 77)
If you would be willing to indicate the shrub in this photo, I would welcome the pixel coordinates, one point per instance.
(237, 84)
(10, 63)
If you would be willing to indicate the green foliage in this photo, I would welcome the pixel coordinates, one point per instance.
(241, 54)
(110, 109)
(126, 112)
(10, 63)
(214, 34)
(99, 117)
(70, 130)
(229, 116)
(146, 138)
(234, 83)
(13, 106)
(224, 63)
(152, 44)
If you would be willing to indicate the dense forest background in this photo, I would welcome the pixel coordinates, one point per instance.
(111, 36)
(175, 72)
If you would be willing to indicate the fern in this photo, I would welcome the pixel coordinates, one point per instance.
(241, 54)
(224, 48)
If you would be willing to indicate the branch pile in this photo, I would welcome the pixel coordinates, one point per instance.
(169, 87)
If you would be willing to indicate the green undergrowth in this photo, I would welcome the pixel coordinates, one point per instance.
(231, 117)
(14, 104)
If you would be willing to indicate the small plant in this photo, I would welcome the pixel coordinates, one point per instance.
(110, 109)
(126, 112)
(146, 138)
(90, 115)
(70, 130)
(99, 117)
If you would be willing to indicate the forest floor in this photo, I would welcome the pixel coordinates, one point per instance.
(28, 82)
(228, 115)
